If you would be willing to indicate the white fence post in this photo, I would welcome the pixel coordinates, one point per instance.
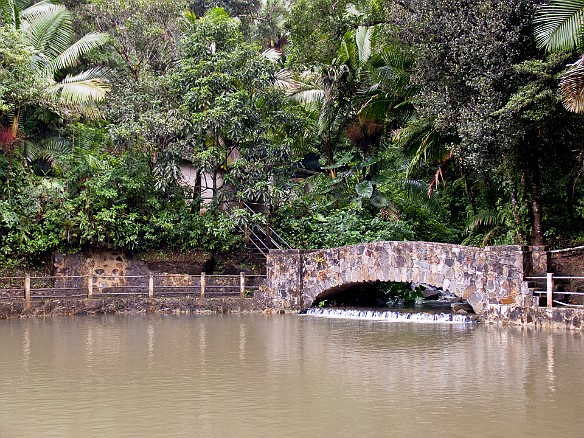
(27, 288)
(550, 289)
(203, 284)
(242, 284)
(90, 286)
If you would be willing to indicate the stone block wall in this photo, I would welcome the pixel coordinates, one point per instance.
(109, 269)
(482, 276)
(114, 269)
(536, 317)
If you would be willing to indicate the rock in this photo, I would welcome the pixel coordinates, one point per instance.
(461, 308)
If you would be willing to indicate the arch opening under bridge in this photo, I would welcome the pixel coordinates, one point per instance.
(480, 276)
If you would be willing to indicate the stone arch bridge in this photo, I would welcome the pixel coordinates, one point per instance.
(481, 276)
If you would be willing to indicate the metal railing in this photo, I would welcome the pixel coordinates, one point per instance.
(155, 285)
(263, 238)
(550, 279)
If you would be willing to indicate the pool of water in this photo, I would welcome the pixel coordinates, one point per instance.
(285, 376)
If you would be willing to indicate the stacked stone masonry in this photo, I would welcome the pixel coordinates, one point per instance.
(482, 276)
(114, 269)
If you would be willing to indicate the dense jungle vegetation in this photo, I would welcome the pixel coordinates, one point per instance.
(435, 120)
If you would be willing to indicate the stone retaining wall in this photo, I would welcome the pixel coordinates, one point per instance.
(537, 317)
(135, 305)
(114, 269)
(482, 276)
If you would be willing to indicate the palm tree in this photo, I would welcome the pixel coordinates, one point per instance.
(48, 29)
(559, 26)
(331, 95)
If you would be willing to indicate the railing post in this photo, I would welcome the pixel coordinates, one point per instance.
(90, 286)
(268, 235)
(550, 288)
(242, 284)
(151, 286)
(27, 288)
(203, 284)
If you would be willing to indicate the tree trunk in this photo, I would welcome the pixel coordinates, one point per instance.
(468, 189)
(532, 159)
(537, 213)
(516, 216)
(328, 153)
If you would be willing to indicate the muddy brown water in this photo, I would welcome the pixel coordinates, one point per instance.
(285, 376)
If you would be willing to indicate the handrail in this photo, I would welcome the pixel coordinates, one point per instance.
(558, 251)
(279, 242)
(550, 283)
(286, 244)
(254, 243)
(262, 231)
(94, 286)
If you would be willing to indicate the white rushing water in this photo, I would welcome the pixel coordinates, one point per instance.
(392, 315)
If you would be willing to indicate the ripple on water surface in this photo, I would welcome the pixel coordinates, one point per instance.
(285, 376)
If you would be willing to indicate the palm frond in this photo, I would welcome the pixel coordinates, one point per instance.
(271, 55)
(493, 222)
(48, 27)
(309, 96)
(363, 41)
(10, 13)
(71, 54)
(417, 191)
(285, 81)
(572, 87)
(558, 25)
(428, 147)
(77, 94)
(50, 150)
(485, 218)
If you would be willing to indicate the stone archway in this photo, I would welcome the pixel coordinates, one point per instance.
(481, 276)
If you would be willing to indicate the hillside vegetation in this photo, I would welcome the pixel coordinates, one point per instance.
(348, 121)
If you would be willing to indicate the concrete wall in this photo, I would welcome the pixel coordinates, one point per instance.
(482, 276)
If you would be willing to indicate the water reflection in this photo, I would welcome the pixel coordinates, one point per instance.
(550, 364)
(260, 375)
(26, 347)
(150, 344)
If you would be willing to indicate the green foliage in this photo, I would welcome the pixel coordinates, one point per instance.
(432, 120)
(243, 127)
(315, 27)
(400, 294)
(17, 86)
(110, 201)
(341, 227)
(143, 33)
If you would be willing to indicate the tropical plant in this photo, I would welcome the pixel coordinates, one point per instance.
(331, 95)
(559, 27)
(143, 34)
(241, 126)
(47, 28)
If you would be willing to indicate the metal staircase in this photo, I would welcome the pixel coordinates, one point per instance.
(260, 239)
